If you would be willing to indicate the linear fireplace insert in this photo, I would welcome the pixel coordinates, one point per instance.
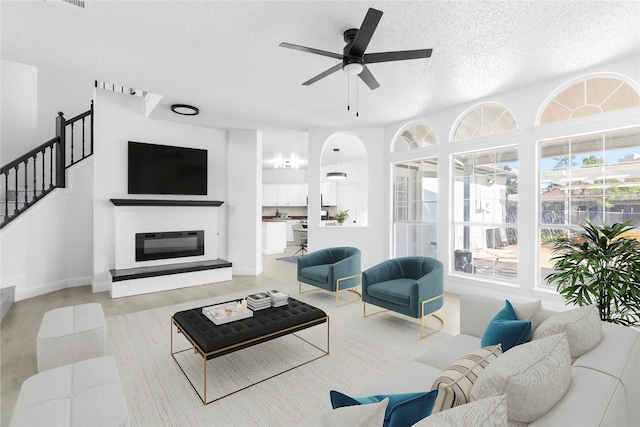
(169, 244)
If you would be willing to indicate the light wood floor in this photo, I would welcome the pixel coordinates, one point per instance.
(19, 328)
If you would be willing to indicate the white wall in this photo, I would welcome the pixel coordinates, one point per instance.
(245, 201)
(31, 99)
(284, 176)
(120, 118)
(50, 246)
(369, 239)
(19, 110)
(63, 91)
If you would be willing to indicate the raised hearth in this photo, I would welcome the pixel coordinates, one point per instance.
(141, 280)
(163, 270)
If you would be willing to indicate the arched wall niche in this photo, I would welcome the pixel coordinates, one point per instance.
(350, 193)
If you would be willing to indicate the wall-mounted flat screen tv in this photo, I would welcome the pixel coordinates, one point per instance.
(164, 169)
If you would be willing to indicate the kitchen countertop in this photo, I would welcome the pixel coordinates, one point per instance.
(281, 219)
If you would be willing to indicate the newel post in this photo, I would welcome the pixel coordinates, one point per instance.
(60, 151)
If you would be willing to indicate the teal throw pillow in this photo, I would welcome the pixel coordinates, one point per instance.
(505, 328)
(402, 410)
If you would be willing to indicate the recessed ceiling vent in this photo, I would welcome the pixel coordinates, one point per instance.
(74, 5)
(77, 3)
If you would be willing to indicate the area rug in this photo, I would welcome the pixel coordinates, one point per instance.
(289, 259)
(361, 349)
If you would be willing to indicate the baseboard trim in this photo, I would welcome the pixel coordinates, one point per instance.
(145, 285)
(23, 292)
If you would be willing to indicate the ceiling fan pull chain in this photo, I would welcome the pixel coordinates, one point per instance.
(357, 100)
(348, 93)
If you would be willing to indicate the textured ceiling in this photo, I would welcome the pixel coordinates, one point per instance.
(224, 58)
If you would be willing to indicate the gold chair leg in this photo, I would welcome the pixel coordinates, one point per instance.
(422, 334)
(364, 311)
(300, 291)
(338, 290)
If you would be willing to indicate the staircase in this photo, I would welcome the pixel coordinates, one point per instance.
(35, 174)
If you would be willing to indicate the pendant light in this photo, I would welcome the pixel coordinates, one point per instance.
(336, 174)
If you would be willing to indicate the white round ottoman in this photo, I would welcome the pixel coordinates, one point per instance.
(71, 334)
(87, 393)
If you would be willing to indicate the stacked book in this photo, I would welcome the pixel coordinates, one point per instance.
(258, 301)
(278, 299)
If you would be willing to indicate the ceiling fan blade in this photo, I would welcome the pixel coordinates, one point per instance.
(364, 34)
(323, 75)
(371, 58)
(311, 50)
(368, 78)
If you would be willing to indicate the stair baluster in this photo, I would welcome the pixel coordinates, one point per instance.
(55, 147)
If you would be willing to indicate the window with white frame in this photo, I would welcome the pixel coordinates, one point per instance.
(416, 135)
(488, 119)
(485, 213)
(415, 204)
(587, 178)
(589, 97)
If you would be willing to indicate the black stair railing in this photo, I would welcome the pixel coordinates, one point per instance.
(35, 174)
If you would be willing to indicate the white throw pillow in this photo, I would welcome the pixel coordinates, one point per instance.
(582, 326)
(349, 416)
(534, 376)
(490, 412)
(455, 381)
(531, 311)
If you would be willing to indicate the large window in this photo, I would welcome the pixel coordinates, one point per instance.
(415, 208)
(588, 178)
(485, 211)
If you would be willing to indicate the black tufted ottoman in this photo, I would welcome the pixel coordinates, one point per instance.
(211, 340)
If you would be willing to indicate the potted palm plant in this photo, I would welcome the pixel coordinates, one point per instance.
(600, 266)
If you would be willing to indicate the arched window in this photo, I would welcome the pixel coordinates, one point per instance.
(488, 119)
(415, 135)
(589, 97)
(587, 177)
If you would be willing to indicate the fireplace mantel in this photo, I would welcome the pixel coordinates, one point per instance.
(165, 202)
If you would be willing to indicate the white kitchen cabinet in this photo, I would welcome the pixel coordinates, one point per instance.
(269, 195)
(329, 193)
(284, 194)
(297, 194)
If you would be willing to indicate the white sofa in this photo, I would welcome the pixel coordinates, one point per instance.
(604, 388)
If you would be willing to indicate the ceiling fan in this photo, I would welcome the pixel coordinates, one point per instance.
(354, 60)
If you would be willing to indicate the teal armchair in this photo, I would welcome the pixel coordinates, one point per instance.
(412, 286)
(331, 269)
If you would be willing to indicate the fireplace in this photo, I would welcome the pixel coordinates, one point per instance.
(169, 244)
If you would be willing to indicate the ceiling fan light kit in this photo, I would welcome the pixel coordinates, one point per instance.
(354, 60)
(353, 68)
